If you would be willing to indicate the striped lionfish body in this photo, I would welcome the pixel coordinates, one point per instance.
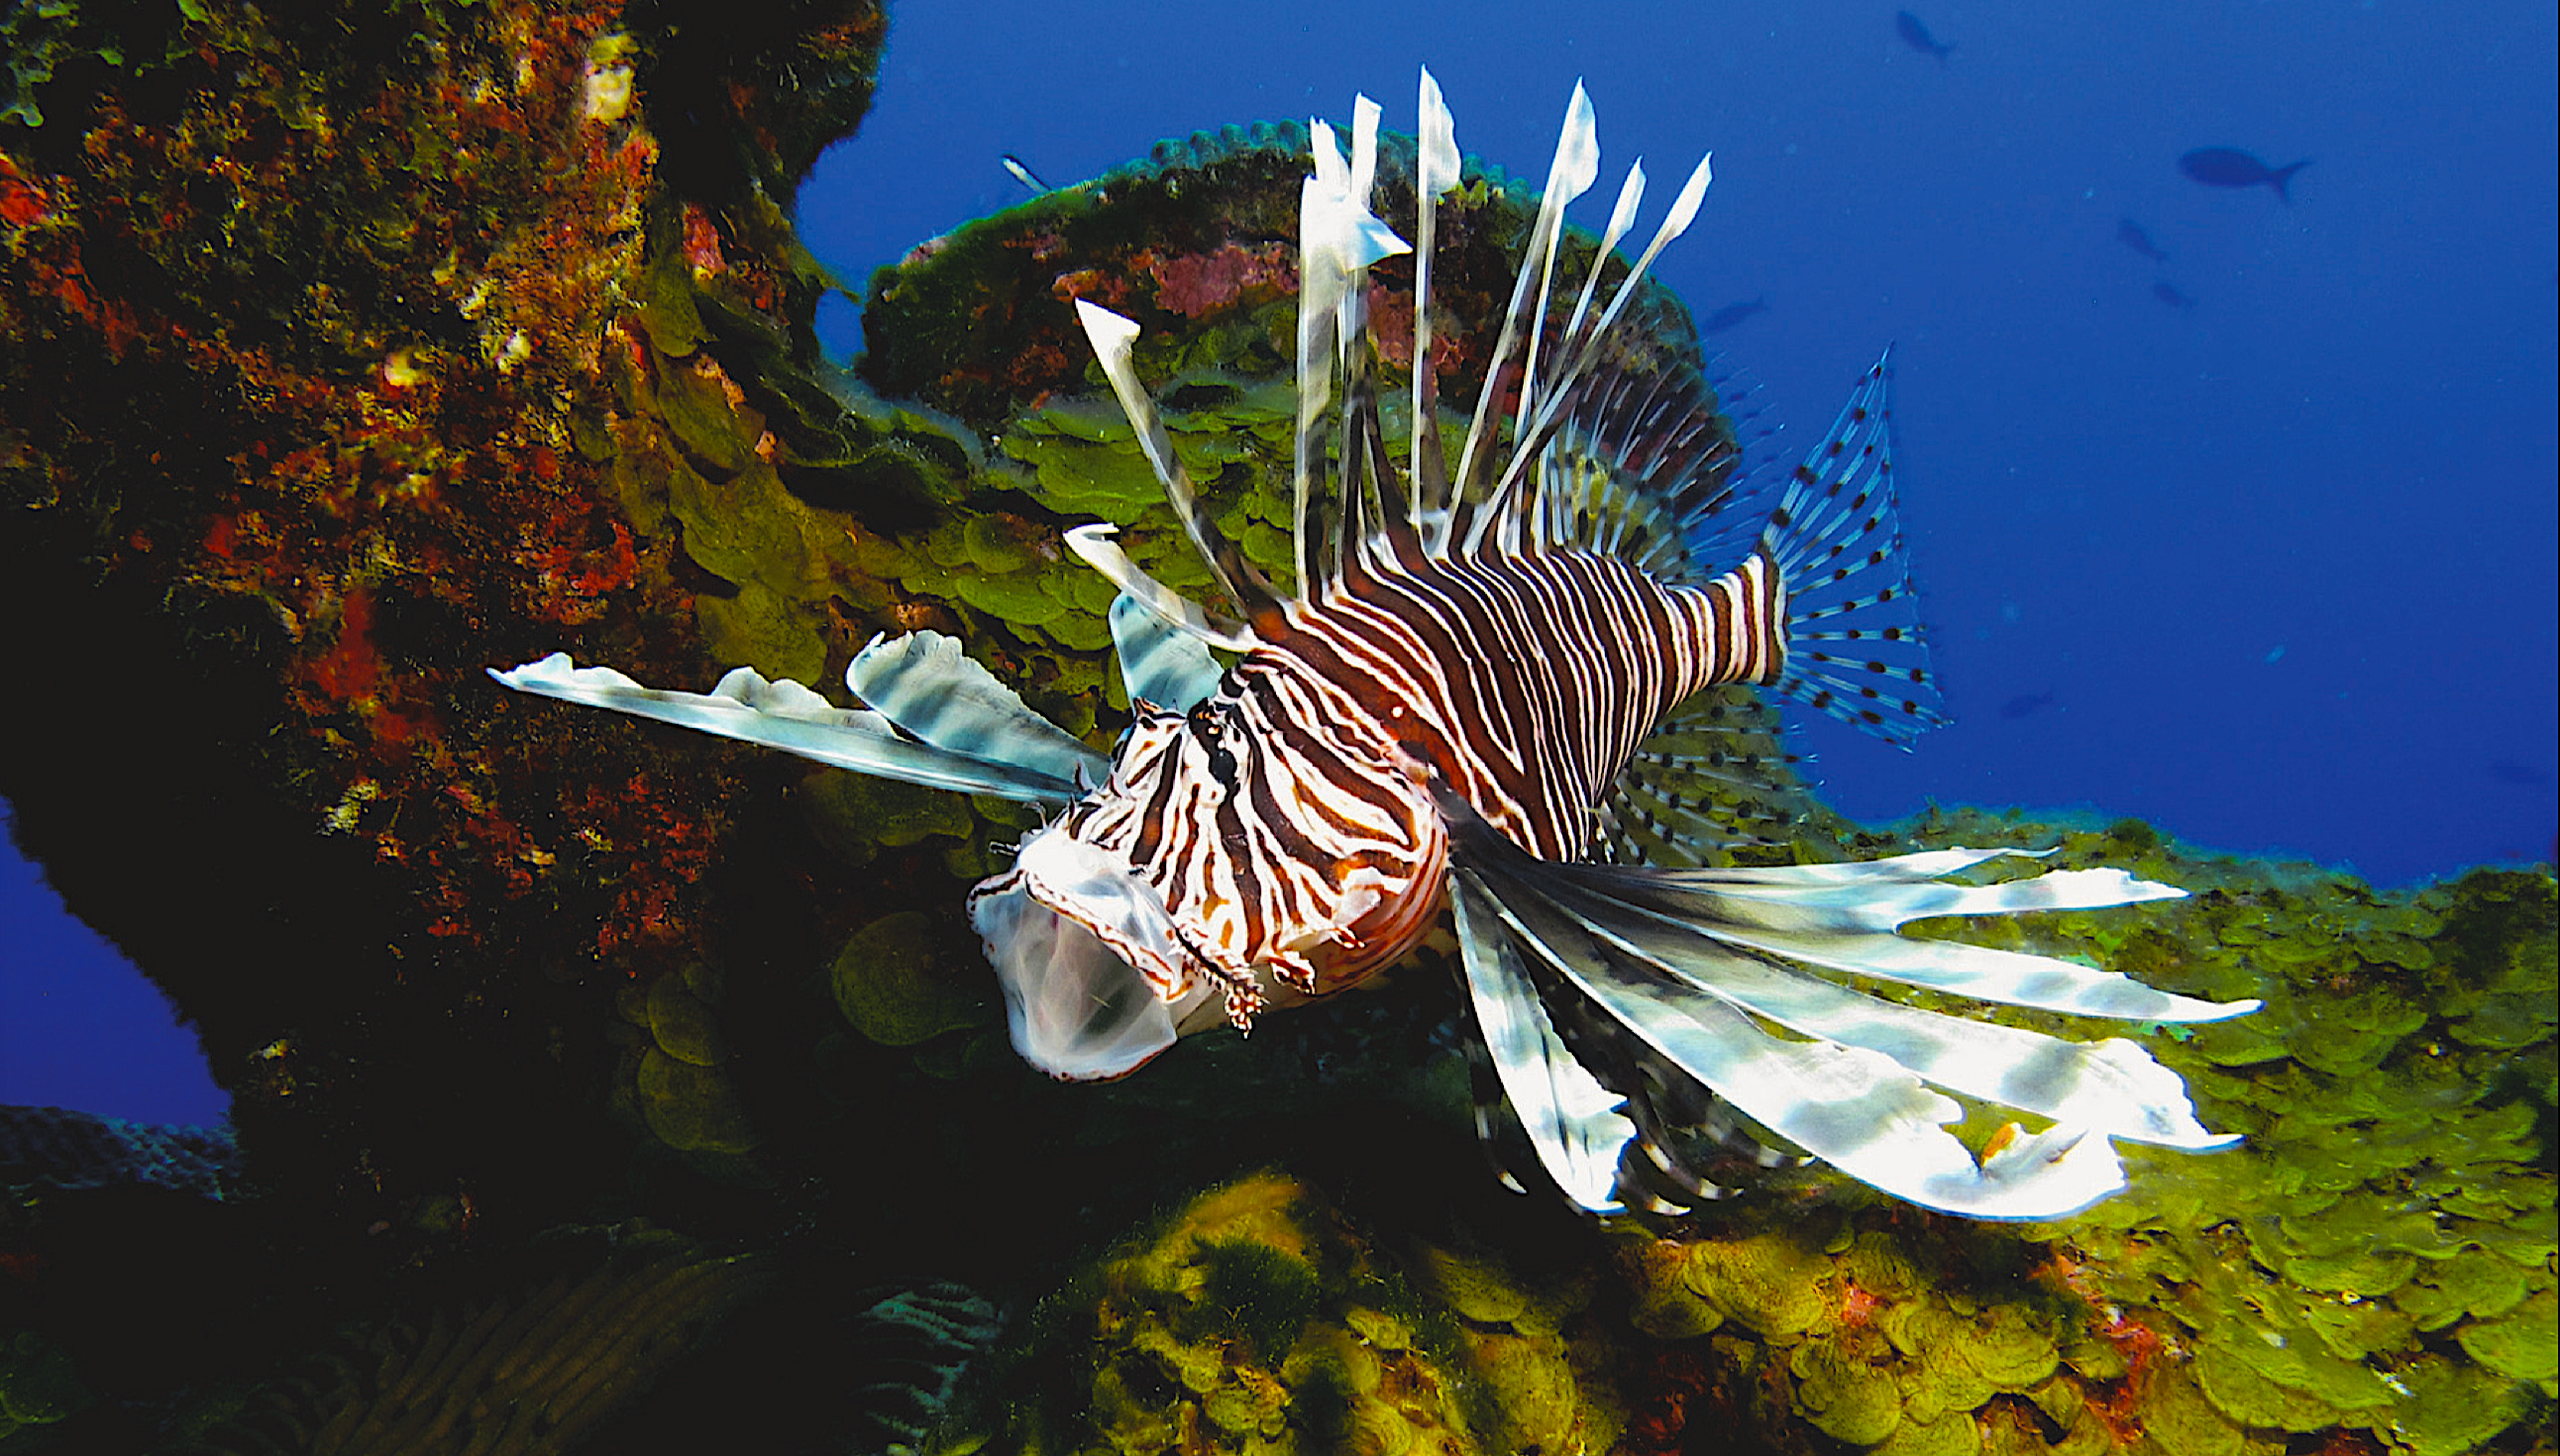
(1458, 709)
(1286, 823)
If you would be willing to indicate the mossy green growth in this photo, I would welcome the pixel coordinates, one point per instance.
(1256, 1319)
(673, 1076)
(1844, 1397)
(2374, 1266)
(2396, 1186)
(1256, 1294)
(692, 1108)
(900, 984)
(1771, 1283)
(855, 815)
(39, 1385)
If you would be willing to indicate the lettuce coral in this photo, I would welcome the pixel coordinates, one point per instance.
(505, 351)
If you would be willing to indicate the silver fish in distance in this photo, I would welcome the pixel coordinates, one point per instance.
(1472, 702)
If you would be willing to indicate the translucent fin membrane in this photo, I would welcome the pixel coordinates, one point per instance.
(1714, 773)
(1649, 978)
(1855, 648)
(991, 742)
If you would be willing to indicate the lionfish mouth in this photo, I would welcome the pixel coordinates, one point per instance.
(1550, 607)
(1097, 976)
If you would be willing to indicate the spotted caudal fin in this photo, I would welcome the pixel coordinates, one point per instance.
(1855, 648)
(1616, 1001)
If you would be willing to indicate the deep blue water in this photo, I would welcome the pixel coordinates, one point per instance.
(2273, 566)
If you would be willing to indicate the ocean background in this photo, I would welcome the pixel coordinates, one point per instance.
(2255, 540)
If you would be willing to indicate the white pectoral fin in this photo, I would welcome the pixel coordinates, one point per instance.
(788, 716)
(923, 683)
(1159, 661)
(2111, 1087)
(1571, 1120)
(1645, 958)
(1843, 917)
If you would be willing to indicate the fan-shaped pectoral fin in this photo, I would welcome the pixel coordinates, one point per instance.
(1571, 1119)
(788, 716)
(1159, 661)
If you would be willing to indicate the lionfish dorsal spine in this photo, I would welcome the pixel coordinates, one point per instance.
(1337, 239)
(1437, 170)
(1114, 339)
(1568, 176)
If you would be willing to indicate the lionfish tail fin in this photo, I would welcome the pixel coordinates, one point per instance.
(1671, 991)
(1855, 648)
(942, 720)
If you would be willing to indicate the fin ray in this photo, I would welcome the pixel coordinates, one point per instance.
(787, 715)
(925, 685)
(1160, 664)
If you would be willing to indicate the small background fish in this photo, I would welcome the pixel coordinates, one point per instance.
(2231, 167)
(1917, 36)
(2134, 236)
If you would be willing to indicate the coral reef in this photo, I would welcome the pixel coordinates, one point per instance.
(340, 360)
(530, 1373)
(58, 1148)
(2374, 1271)
(1257, 1319)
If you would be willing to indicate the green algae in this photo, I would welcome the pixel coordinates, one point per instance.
(1255, 1318)
(1770, 1282)
(692, 1108)
(676, 1083)
(684, 1026)
(39, 1385)
(899, 984)
(1843, 1398)
(2184, 1422)
(2523, 1344)
(2378, 1253)
(2453, 1407)
(1948, 1435)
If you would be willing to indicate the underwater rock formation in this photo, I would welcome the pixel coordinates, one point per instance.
(2374, 1270)
(338, 362)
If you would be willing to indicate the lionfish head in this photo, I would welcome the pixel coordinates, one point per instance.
(1161, 903)
(1098, 975)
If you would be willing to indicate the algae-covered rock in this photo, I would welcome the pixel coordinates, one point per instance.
(1258, 1319)
(683, 1025)
(1770, 1282)
(2523, 1344)
(692, 1108)
(899, 983)
(1666, 1306)
(1845, 1398)
(1948, 1435)
(39, 1385)
(2177, 1416)
(2453, 1407)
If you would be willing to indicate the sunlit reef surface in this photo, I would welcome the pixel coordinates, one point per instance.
(336, 364)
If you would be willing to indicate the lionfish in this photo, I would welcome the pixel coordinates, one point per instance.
(1451, 709)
